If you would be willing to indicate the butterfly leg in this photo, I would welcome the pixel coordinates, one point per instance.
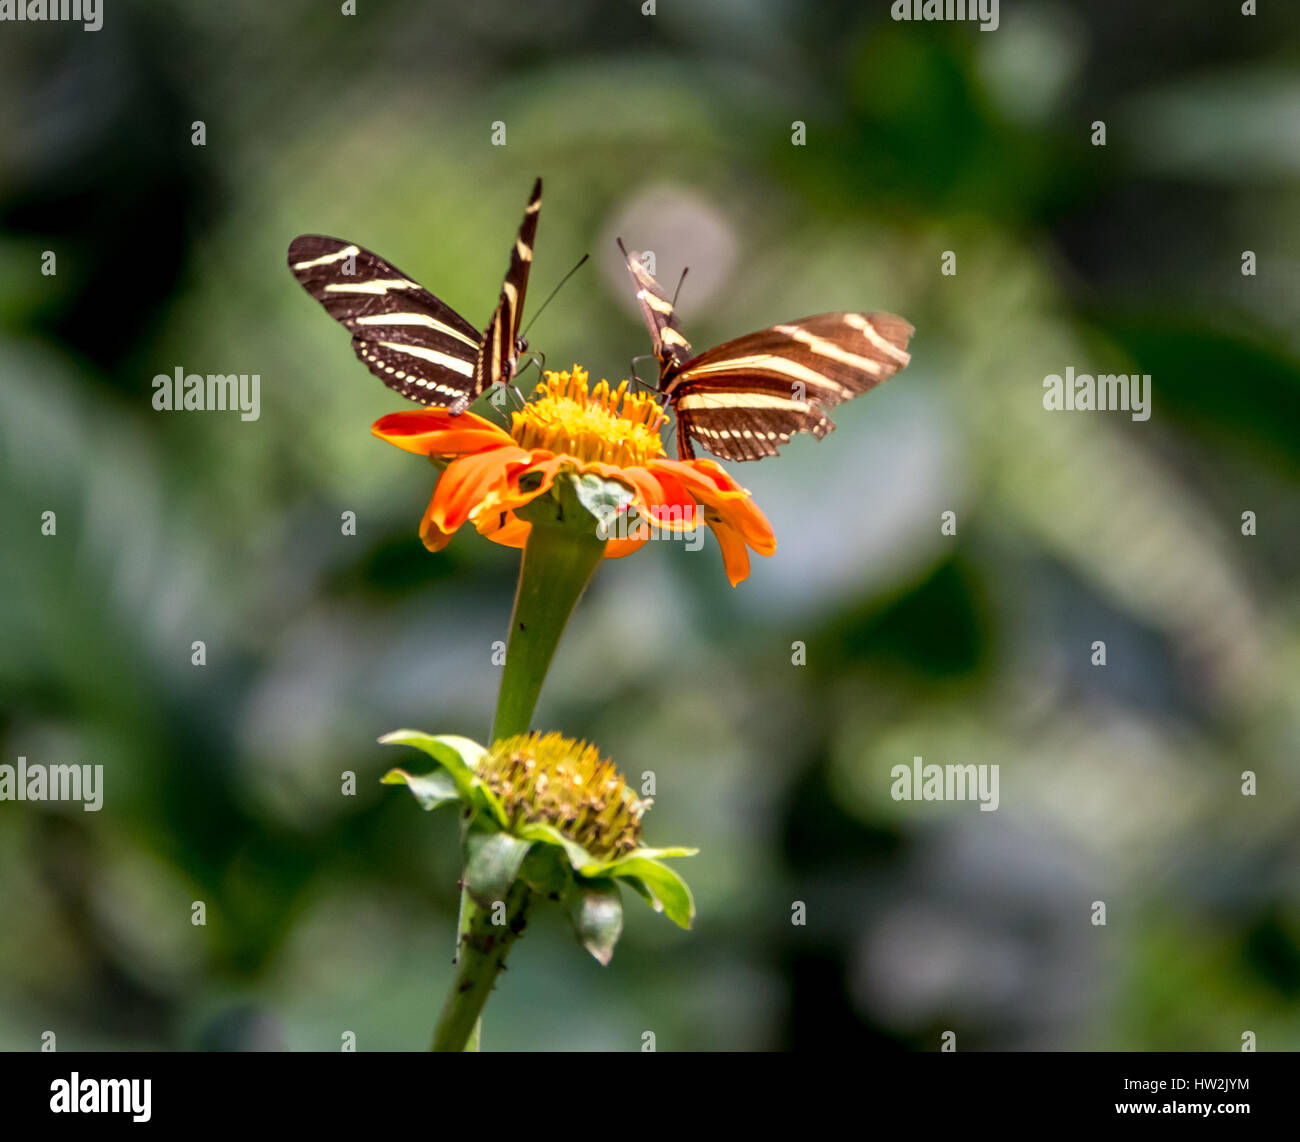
(534, 358)
(497, 395)
(632, 368)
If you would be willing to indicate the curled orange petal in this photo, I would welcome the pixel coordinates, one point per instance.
(466, 484)
(731, 512)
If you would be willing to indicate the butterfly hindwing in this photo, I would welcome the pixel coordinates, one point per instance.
(411, 340)
(744, 399)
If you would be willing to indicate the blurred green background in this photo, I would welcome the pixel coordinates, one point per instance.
(328, 913)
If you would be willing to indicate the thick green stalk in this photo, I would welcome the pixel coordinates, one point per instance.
(558, 563)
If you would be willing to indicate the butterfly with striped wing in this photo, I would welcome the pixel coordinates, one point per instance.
(747, 397)
(411, 340)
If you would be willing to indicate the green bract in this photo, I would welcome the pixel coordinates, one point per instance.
(502, 851)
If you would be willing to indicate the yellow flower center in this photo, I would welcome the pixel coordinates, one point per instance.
(554, 780)
(600, 425)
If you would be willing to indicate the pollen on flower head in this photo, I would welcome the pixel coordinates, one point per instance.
(610, 426)
(554, 780)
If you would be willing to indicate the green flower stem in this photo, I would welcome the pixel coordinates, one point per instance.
(480, 955)
(468, 915)
(558, 563)
(560, 556)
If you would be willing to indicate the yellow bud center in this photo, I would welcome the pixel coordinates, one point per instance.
(554, 780)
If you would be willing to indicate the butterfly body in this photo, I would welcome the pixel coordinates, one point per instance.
(411, 340)
(746, 398)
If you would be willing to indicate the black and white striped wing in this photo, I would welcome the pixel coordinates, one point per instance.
(499, 361)
(417, 345)
(746, 398)
(670, 348)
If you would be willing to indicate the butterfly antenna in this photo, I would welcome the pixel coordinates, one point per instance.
(551, 296)
(678, 290)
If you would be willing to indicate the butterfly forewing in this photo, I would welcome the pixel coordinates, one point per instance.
(670, 347)
(501, 343)
(412, 341)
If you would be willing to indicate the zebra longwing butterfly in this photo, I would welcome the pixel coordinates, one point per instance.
(747, 397)
(412, 341)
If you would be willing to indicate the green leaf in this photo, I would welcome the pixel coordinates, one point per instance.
(597, 914)
(460, 757)
(493, 864)
(669, 890)
(430, 789)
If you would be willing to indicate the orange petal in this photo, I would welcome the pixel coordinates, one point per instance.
(729, 502)
(496, 517)
(435, 432)
(466, 483)
(662, 499)
(504, 528)
(735, 556)
(510, 495)
(617, 548)
(431, 535)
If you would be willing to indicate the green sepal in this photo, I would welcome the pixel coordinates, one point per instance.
(579, 857)
(661, 854)
(429, 789)
(670, 892)
(492, 864)
(547, 871)
(593, 867)
(637, 885)
(596, 911)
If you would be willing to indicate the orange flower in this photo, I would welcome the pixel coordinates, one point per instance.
(567, 430)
